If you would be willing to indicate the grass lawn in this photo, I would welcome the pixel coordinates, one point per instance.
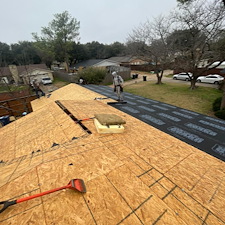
(4, 88)
(199, 100)
(59, 82)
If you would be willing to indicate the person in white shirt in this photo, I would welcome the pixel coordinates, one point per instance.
(118, 85)
(81, 80)
(37, 88)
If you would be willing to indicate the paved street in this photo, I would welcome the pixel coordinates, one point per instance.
(152, 77)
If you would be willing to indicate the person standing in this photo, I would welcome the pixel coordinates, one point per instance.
(37, 88)
(118, 85)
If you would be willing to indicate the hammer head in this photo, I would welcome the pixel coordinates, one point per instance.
(77, 184)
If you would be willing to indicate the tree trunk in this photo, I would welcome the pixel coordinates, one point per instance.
(67, 66)
(193, 84)
(159, 77)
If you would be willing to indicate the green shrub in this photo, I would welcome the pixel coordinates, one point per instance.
(220, 114)
(93, 75)
(217, 104)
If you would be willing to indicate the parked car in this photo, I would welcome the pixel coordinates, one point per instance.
(211, 79)
(182, 76)
(46, 80)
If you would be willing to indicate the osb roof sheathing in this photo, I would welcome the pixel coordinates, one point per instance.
(142, 176)
(70, 92)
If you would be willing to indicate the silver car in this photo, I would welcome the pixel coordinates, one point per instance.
(211, 79)
(182, 76)
(46, 80)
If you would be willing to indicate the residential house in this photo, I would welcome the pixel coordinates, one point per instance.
(24, 74)
(86, 63)
(220, 69)
(138, 61)
(5, 75)
(215, 68)
(109, 64)
(129, 60)
(113, 61)
(30, 72)
(134, 63)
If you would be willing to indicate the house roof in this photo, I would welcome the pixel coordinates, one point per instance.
(126, 59)
(122, 59)
(31, 67)
(113, 60)
(220, 65)
(35, 72)
(107, 62)
(87, 63)
(141, 176)
(4, 71)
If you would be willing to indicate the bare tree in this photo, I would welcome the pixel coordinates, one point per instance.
(189, 1)
(150, 38)
(203, 21)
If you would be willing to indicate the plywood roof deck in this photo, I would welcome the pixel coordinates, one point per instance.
(142, 176)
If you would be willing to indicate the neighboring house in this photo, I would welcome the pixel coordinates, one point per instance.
(24, 74)
(109, 64)
(5, 76)
(86, 63)
(113, 61)
(58, 66)
(103, 63)
(106, 63)
(137, 61)
(220, 65)
(100, 63)
(220, 69)
(203, 63)
(213, 68)
(129, 60)
(30, 72)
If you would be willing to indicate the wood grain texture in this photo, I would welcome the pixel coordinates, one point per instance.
(141, 176)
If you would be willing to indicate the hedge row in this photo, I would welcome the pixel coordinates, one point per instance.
(220, 113)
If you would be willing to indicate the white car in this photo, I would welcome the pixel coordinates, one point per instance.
(211, 79)
(46, 80)
(182, 76)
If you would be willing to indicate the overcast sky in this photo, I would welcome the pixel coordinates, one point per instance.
(105, 21)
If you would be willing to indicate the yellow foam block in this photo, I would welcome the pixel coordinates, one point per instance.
(110, 129)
